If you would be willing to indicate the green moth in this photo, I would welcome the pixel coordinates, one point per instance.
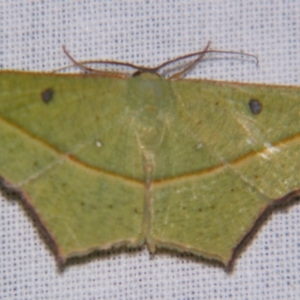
(107, 161)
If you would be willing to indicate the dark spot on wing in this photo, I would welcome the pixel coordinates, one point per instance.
(255, 106)
(47, 95)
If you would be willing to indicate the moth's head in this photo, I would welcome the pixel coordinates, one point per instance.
(145, 72)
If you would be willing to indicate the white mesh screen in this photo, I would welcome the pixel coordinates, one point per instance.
(148, 33)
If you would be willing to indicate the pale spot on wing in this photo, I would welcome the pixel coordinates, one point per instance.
(264, 155)
(98, 144)
(249, 141)
(199, 146)
(269, 151)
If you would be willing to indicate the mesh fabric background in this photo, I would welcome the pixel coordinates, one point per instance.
(147, 33)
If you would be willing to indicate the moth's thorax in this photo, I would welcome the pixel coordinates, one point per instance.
(151, 105)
